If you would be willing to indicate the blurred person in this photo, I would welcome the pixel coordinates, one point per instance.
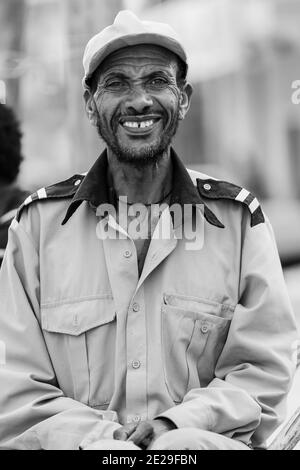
(117, 340)
(11, 196)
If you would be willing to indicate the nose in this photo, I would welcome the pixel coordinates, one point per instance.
(138, 102)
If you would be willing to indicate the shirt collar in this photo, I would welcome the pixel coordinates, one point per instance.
(95, 190)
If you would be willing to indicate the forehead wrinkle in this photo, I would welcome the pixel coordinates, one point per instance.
(146, 69)
(137, 63)
(140, 55)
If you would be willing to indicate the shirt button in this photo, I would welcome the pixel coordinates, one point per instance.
(127, 254)
(204, 329)
(136, 364)
(135, 307)
(136, 419)
(207, 187)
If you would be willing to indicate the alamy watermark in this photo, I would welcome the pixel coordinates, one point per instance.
(157, 221)
(295, 98)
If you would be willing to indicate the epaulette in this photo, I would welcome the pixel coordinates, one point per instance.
(64, 189)
(216, 189)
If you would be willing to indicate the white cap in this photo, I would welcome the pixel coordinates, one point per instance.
(128, 30)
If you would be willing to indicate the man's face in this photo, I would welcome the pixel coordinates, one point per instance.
(138, 103)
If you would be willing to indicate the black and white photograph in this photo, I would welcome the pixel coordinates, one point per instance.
(149, 228)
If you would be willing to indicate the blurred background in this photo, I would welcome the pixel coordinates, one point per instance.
(242, 126)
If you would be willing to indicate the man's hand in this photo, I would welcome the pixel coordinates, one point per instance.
(144, 433)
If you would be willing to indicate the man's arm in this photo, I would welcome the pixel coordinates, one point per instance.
(253, 373)
(34, 413)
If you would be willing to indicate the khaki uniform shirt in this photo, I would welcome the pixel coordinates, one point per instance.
(203, 337)
(10, 198)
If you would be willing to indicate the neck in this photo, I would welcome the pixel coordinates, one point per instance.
(146, 185)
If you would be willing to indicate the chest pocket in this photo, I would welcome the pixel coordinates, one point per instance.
(80, 337)
(194, 332)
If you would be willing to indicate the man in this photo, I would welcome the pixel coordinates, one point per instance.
(11, 196)
(118, 324)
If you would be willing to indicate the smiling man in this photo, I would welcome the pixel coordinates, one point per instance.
(120, 330)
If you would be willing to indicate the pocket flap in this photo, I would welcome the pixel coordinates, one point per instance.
(198, 304)
(74, 318)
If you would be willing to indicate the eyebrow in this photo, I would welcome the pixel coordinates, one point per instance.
(110, 74)
(158, 72)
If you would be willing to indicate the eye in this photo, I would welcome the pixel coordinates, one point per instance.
(158, 82)
(115, 85)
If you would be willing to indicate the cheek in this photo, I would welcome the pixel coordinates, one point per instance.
(106, 106)
(169, 101)
(172, 96)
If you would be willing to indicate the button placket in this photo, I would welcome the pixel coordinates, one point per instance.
(136, 419)
(136, 379)
(127, 254)
(136, 364)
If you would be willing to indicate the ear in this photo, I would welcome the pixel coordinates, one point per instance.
(90, 107)
(185, 100)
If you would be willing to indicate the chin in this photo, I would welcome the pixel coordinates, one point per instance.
(142, 155)
(139, 155)
(147, 155)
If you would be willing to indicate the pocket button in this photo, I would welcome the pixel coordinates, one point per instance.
(204, 329)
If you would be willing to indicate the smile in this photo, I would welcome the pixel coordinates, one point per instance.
(140, 125)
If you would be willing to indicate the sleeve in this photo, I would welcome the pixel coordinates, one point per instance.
(34, 413)
(246, 400)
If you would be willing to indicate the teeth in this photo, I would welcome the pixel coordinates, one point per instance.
(135, 124)
(131, 124)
